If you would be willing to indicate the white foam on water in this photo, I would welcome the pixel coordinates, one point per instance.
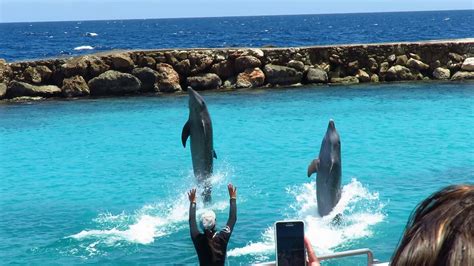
(84, 47)
(91, 34)
(360, 210)
(149, 222)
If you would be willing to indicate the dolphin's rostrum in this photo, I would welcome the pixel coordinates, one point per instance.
(328, 169)
(199, 128)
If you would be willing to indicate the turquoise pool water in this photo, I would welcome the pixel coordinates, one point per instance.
(104, 180)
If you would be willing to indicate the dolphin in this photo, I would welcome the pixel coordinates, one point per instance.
(199, 128)
(328, 169)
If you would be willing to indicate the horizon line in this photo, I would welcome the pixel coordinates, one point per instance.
(237, 16)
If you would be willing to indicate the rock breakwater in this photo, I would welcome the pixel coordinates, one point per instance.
(170, 71)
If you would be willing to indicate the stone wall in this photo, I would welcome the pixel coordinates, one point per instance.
(169, 71)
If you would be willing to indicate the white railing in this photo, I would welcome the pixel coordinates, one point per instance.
(342, 254)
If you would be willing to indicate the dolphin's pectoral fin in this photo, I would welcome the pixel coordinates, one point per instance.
(214, 154)
(313, 167)
(185, 134)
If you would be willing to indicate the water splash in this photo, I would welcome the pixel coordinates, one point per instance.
(83, 47)
(149, 222)
(360, 210)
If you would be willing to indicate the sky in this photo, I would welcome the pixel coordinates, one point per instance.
(71, 10)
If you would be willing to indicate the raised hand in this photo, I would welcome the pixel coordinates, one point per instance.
(192, 195)
(232, 191)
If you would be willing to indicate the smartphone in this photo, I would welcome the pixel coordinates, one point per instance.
(289, 243)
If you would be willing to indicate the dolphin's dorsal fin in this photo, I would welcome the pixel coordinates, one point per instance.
(185, 134)
(214, 154)
(313, 167)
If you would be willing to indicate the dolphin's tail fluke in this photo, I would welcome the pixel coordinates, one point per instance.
(313, 167)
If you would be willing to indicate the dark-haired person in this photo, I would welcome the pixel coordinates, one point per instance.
(211, 246)
(440, 231)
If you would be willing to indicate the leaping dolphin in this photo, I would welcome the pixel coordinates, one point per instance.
(328, 169)
(199, 127)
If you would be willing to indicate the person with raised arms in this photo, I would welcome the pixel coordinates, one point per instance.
(211, 246)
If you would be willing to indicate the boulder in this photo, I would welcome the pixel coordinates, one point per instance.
(398, 72)
(114, 83)
(254, 52)
(199, 62)
(456, 57)
(461, 75)
(401, 60)
(5, 71)
(391, 58)
(75, 66)
(298, 65)
(435, 64)
(181, 55)
(23, 99)
(183, 67)
(374, 78)
(74, 87)
(207, 81)
(170, 58)
(282, 75)
(31, 75)
(147, 77)
(417, 75)
(224, 69)
(417, 64)
(415, 56)
(44, 72)
(353, 66)
(362, 76)
(468, 64)
(121, 62)
(37, 74)
(3, 90)
(453, 66)
(345, 80)
(250, 78)
(17, 89)
(247, 61)
(384, 68)
(316, 75)
(88, 66)
(167, 79)
(229, 83)
(146, 61)
(95, 66)
(373, 66)
(441, 73)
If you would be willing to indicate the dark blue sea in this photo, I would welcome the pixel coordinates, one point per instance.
(20, 41)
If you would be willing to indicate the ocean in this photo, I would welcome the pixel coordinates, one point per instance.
(104, 180)
(22, 41)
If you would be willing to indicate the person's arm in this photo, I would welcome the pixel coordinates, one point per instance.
(233, 207)
(312, 258)
(192, 214)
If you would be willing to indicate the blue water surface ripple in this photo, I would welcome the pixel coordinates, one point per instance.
(104, 180)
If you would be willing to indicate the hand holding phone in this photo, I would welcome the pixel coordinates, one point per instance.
(289, 243)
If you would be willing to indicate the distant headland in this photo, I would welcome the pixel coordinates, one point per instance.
(118, 73)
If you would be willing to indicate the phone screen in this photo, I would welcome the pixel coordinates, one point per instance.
(290, 243)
